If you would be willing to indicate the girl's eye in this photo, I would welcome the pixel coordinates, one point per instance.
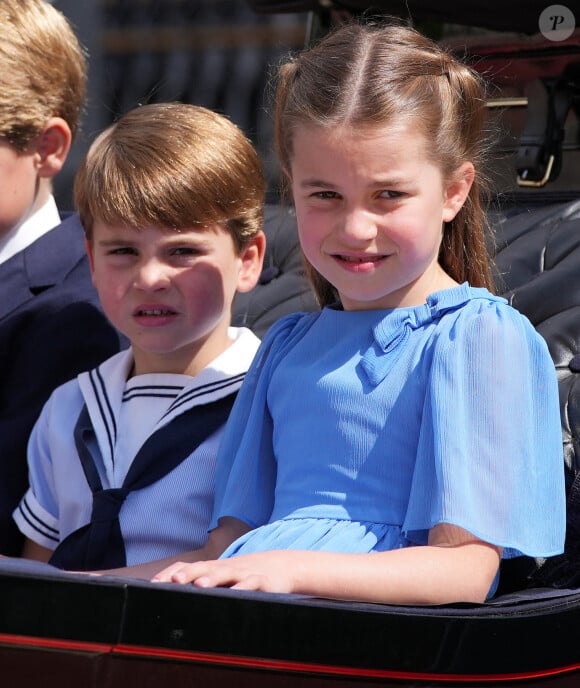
(387, 193)
(325, 194)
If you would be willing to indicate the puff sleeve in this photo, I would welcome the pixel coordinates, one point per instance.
(490, 456)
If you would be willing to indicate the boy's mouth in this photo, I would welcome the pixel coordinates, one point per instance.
(151, 312)
(145, 312)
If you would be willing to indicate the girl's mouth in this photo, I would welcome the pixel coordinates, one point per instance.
(360, 264)
(360, 259)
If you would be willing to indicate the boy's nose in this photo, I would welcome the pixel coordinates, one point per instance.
(152, 275)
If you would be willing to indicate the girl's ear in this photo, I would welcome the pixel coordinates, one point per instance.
(252, 257)
(457, 190)
(52, 147)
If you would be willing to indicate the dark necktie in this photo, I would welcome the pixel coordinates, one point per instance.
(99, 544)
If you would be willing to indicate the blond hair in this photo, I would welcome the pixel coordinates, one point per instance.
(365, 75)
(42, 70)
(174, 166)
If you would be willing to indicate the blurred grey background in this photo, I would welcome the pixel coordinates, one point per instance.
(215, 53)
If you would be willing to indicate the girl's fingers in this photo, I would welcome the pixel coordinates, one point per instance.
(252, 582)
(167, 574)
(215, 575)
(237, 573)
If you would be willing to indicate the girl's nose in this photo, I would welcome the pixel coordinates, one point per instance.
(359, 225)
(152, 275)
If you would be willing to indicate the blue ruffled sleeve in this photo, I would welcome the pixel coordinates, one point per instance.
(246, 466)
(490, 455)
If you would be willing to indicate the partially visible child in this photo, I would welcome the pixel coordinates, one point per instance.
(51, 324)
(396, 446)
(122, 458)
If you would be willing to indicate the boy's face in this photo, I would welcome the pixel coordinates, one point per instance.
(18, 186)
(171, 292)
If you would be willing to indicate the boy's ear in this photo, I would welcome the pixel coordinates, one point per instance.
(52, 147)
(252, 257)
(457, 190)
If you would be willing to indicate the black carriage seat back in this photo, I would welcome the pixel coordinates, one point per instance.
(537, 257)
(540, 150)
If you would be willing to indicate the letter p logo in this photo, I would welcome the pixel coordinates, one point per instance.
(557, 23)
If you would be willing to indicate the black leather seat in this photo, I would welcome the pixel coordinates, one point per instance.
(537, 256)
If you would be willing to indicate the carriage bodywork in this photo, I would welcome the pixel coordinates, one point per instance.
(65, 629)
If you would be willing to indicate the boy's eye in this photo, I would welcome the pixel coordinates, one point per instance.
(185, 251)
(122, 251)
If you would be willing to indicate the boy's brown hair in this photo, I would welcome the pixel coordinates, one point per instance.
(174, 166)
(42, 70)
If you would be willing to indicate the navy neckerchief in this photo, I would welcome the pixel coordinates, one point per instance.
(99, 544)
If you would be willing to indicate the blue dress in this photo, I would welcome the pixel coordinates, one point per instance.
(358, 431)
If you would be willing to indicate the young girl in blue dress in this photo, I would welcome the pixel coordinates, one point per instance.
(396, 445)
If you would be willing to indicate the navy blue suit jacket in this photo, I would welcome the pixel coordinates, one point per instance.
(51, 329)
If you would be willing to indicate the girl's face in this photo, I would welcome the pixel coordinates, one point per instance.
(370, 208)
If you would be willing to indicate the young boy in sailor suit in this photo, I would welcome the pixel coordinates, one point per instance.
(121, 460)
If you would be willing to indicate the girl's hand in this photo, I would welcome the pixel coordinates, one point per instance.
(267, 571)
(228, 530)
(454, 567)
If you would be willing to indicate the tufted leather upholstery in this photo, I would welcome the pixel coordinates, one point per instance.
(537, 256)
(538, 265)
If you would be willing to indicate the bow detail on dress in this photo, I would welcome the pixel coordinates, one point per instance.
(389, 337)
(392, 332)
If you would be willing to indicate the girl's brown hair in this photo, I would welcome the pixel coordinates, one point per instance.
(366, 75)
(174, 166)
